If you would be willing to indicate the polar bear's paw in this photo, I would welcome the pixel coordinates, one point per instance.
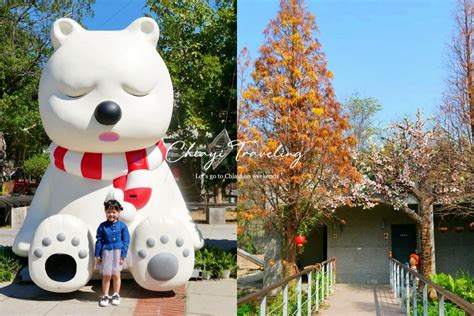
(196, 235)
(22, 242)
(163, 254)
(61, 255)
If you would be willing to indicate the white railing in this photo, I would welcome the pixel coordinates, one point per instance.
(309, 297)
(411, 288)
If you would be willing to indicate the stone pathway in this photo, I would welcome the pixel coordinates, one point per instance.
(204, 298)
(360, 300)
(223, 236)
(7, 235)
(28, 299)
(212, 297)
(164, 303)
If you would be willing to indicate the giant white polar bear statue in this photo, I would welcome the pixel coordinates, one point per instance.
(106, 101)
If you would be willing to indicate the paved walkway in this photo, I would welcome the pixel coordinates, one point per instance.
(203, 298)
(206, 298)
(360, 300)
(222, 236)
(7, 236)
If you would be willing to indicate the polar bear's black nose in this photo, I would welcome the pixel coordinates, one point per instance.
(108, 113)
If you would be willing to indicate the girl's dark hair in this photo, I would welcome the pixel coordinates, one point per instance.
(113, 204)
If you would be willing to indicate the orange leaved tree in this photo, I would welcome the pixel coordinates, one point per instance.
(293, 149)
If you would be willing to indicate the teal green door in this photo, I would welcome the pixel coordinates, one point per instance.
(403, 241)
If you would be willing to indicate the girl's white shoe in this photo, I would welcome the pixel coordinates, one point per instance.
(104, 301)
(116, 299)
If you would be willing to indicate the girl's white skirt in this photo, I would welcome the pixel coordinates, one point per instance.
(110, 263)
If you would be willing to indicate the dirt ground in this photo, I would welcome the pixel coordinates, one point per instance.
(199, 216)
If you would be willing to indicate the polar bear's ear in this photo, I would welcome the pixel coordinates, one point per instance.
(115, 194)
(63, 28)
(147, 28)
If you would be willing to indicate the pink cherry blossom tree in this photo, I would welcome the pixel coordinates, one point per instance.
(416, 159)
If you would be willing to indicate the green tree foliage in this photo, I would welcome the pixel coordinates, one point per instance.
(361, 112)
(25, 36)
(198, 43)
(36, 165)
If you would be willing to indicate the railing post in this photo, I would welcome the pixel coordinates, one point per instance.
(285, 300)
(329, 278)
(441, 304)
(402, 289)
(394, 279)
(263, 306)
(394, 275)
(397, 281)
(401, 285)
(310, 281)
(407, 291)
(390, 271)
(317, 290)
(425, 300)
(328, 281)
(415, 294)
(322, 283)
(299, 296)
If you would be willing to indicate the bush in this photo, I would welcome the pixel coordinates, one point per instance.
(245, 242)
(433, 309)
(462, 285)
(216, 261)
(247, 309)
(10, 264)
(35, 166)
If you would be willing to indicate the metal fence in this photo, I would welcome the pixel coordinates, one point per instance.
(297, 299)
(411, 289)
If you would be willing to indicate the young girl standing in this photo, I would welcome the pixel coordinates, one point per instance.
(111, 249)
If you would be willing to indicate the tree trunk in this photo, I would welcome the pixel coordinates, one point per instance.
(290, 244)
(289, 264)
(217, 194)
(468, 15)
(428, 265)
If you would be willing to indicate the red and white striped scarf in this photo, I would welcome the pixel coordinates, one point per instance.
(130, 171)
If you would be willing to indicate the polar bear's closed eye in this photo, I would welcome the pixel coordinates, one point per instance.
(137, 92)
(74, 92)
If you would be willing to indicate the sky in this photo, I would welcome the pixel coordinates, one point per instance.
(114, 15)
(392, 50)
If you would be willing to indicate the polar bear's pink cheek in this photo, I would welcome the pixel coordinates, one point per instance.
(109, 137)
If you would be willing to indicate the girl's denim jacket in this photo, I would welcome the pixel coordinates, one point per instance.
(112, 235)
